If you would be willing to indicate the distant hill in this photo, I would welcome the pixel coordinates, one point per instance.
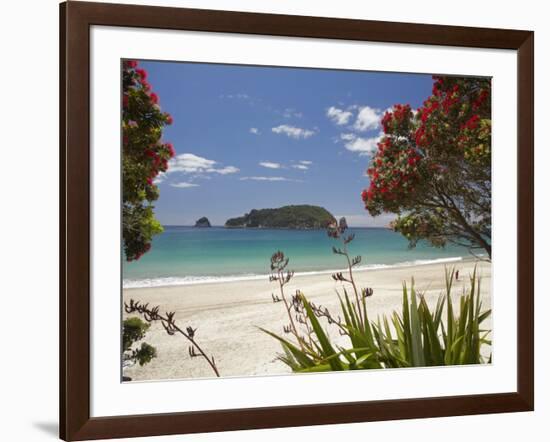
(203, 222)
(287, 217)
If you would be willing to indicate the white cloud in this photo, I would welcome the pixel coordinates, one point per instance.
(364, 146)
(184, 185)
(348, 137)
(239, 96)
(270, 165)
(289, 113)
(293, 132)
(225, 170)
(191, 163)
(339, 116)
(301, 165)
(266, 178)
(368, 118)
(254, 130)
(160, 178)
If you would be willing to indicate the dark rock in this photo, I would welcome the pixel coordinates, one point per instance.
(203, 222)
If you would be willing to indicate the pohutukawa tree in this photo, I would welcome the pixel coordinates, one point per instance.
(433, 167)
(144, 157)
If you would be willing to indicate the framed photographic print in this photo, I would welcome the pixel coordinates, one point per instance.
(274, 220)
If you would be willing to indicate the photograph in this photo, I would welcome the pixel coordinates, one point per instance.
(281, 220)
(229, 221)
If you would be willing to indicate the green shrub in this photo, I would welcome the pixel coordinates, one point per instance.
(144, 354)
(414, 337)
(133, 330)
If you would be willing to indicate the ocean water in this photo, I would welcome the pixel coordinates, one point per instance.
(188, 255)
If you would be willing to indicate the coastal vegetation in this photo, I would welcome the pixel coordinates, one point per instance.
(286, 217)
(145, 156)
(431, 169)
(433, 166)
(415, 337)
(168, 321)
(134, 330)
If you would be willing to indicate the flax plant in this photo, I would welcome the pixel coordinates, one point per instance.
(415, 336)
(168, 322)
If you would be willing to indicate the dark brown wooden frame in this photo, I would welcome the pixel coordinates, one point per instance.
(75, 21)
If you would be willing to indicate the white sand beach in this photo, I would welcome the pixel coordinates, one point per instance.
(227, 316)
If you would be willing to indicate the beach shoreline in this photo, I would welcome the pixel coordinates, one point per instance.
(228, 314)
(193, 280)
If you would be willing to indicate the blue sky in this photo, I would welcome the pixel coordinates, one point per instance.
(257, 137)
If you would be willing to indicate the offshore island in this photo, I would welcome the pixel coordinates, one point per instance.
(299, 217)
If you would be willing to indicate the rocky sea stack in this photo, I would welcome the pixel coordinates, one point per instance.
(203, 222)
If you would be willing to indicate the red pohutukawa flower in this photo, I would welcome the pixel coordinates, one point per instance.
(154, 98)
(401, 112)
(480, 100)
(145, 157)
(384, 144)
(386, 121)
(472, 123)
(447, 125)
(432, 168)
(436, 89)
(171, 150)
(142, 74)
(394, 120)
(393, 172)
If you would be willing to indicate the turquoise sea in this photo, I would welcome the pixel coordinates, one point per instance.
(186, 255)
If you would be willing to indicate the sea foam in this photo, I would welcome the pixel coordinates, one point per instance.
(191, 280)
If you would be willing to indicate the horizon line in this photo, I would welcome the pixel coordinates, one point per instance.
(259, 228)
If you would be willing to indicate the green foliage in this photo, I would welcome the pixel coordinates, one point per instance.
(144, 354)
(433, 167)
(168, 322)
(145, 156)
(134, 330)
(287, 217)
(415, 337)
